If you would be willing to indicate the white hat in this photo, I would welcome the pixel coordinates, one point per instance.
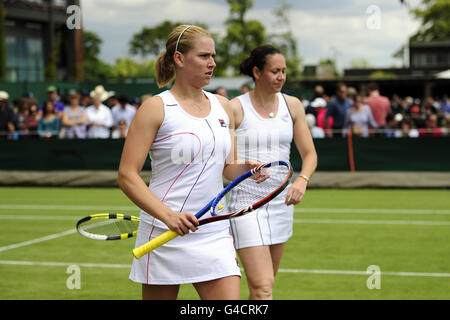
(310, 120)
(101, 93)
(319, 102)
(4, 95)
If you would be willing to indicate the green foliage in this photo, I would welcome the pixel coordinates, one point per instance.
(435, 18)
(382, 75)
(2, 43)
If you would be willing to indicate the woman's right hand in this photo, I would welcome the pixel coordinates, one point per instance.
(182, 222)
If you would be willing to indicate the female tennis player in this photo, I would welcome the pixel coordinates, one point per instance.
(266, 123)
(187, 132)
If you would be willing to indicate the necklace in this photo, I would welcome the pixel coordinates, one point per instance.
(271, 115)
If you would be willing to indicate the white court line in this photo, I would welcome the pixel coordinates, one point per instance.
(298, 209)
(37, 240)
(64, 207)
(386, 222)
(330, 221)
(307, 271)
(37, 217)
(370, 211)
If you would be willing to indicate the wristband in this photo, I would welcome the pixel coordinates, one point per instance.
(304, 177)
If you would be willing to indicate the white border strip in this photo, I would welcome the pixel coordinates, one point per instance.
(305, 271)
(385, 222)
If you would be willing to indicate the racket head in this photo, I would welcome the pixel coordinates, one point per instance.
(108, 226)
(250, 193)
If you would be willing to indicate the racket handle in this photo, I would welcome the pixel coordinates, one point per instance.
(141, 251)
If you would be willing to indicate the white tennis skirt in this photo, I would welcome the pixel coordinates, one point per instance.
(195, 257)
(270, 224)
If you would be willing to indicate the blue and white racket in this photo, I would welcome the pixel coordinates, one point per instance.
(252, 190)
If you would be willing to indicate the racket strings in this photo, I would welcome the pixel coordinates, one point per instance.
(252, 190)
(110, 227)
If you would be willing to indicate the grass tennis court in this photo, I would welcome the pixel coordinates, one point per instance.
(337, 235)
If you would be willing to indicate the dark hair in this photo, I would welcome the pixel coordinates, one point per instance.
(373, 86)
(339, 85)
(257, 59)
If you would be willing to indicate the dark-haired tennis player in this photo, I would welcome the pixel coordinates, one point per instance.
(266, 123)
(187, 132)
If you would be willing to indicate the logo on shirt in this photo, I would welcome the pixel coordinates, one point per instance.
(222, 123)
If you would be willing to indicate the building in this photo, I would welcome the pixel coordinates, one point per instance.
(39, 44)
(423, 78)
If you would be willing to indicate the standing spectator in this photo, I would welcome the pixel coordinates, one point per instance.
(53, 97)
(98, 116)
(379, 105)
(74, 118)
(337, 108)
(123, 111)
(359, 118)
(7, 118)
(49, 124)
(431, 129)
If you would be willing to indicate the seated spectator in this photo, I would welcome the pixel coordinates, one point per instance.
(31, 122)
(74, 118)
(316, 132)
(392, 124)
(121, 131)
(359, 118)
(445, 105)
(246, 87)
(431, 129)
(123, 111)
(53, 97)
(337, 109)
(98, 116)
(416, 116)
(406, 129)
(446, 125)
(8, 122)
(221, 91)
(49, 124)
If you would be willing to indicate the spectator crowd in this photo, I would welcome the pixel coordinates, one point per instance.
(375, 115)
(98, 114)
(102, 114)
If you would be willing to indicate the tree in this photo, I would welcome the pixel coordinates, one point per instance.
(129, 68)
(152, 41)
(285, 40)
(361, 63)
(241, 37)
(435, 17)
(2, 43)
(94, 68)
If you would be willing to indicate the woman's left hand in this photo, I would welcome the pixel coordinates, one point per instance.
(296, 192)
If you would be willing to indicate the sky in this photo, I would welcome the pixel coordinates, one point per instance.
(344, 30)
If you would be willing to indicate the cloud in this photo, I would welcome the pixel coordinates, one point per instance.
(323, 28)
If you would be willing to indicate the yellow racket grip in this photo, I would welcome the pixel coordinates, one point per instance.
(141, 251)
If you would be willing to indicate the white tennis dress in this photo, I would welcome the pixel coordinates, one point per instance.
(187, 159)
(264, 140)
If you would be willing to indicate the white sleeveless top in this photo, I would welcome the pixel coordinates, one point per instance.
(187, 159)
(264, 139)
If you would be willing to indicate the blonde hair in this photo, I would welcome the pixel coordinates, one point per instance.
(183, 36)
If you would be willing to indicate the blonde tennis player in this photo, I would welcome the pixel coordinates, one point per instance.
(187, 133)
(266, 123)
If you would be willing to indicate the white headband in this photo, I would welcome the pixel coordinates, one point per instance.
(179, 37)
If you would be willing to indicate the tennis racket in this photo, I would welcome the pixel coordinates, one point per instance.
(108, 226)
(252, 190)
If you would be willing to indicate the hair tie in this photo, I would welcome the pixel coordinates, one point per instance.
(179, 37)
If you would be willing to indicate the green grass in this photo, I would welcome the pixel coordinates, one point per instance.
(315, 245)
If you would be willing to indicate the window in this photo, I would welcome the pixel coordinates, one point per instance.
(24, 60)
